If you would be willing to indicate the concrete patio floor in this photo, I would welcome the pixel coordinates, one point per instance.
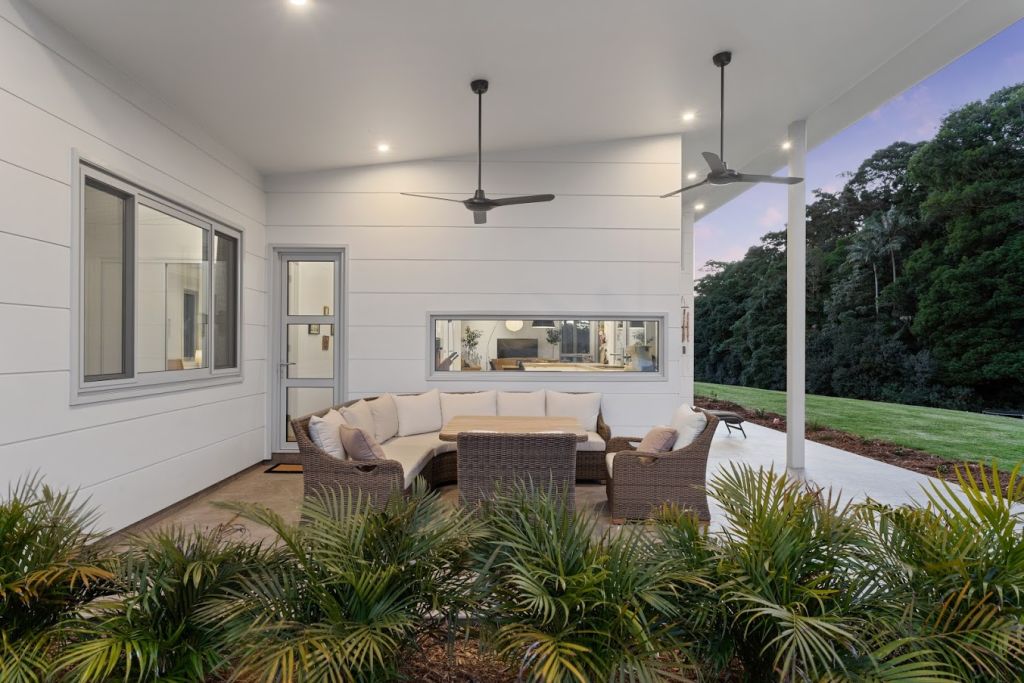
(855, 476)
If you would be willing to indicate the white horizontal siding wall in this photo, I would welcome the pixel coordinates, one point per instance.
(133, 457)
(605, 244)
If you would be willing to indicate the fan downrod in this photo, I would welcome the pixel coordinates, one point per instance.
(479, 86)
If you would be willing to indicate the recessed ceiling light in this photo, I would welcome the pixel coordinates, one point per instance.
(692, 175)
(383, 147)
(787, 144)
(297, 3)
(699, 206)
(689, 115)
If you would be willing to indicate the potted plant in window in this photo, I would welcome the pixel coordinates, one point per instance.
(470, 341)
(554, 338)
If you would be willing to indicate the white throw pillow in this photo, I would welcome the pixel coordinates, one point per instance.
(325, 432)
(358, 415)
(521, 403)
(419, 413)
(584, 407)
(477, 403)
(689, 424)
(385, 417)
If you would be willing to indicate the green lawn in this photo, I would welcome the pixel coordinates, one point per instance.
(946, 433)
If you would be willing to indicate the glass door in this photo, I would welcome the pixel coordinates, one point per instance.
(307, 350)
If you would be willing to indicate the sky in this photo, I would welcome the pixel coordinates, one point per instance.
(727, 233)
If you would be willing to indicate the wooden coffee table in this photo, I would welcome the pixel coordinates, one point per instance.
(509, 424)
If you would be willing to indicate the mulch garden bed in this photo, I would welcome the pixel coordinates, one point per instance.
(884, 451)
(470, 663)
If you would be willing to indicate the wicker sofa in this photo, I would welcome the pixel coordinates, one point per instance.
(638, 483)
(419, 455)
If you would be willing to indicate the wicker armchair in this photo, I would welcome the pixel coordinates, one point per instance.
(642, 482)
(489, 461)
(377, 480)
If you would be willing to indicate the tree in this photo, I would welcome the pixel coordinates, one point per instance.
(867, 248)
(968, 275)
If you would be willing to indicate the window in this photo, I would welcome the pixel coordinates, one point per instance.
(151, 273)
(584, 346)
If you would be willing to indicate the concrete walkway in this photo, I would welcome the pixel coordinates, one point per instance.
(855, 476)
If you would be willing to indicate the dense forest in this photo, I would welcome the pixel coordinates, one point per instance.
(915, 276)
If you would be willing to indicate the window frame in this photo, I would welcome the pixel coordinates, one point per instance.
(136, 383)
(660, 375)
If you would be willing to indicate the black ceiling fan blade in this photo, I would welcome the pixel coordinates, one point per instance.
(775, 180)
(714, 162)
(428, 196)
(526, 199)
(479, 217)
(684, 189)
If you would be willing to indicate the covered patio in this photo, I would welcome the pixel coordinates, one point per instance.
(857, 477)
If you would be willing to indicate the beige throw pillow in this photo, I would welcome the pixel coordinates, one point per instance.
(584, 407)
(658, 440)
(419, 413)
(326, 434)
(385, 417)
(689, 423)
(359, 415)
(360, 445)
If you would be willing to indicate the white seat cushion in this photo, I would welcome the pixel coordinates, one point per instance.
(358, 415)
(325, 433)
(419, 413)
(609, 460)
(476, 403)
(414, 452)
(689, 424)
(385, 417)
(584, 407)
(521, 403)
(594, 442)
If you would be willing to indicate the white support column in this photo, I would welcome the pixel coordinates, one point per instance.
(796, 299)
(686, 274)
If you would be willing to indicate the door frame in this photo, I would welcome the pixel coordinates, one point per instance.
(275, 440)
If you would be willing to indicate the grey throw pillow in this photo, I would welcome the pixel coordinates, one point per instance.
(658, 440)
(360, 444)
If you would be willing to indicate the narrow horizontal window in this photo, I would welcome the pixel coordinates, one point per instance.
(538, 345)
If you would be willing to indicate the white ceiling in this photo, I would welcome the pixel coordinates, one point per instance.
(296, 89)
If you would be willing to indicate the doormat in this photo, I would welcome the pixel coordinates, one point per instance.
(284, 468)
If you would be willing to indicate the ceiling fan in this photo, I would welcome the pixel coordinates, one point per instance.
(721, 174)
(480, 203)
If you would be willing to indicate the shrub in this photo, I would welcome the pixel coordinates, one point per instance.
(155, 627)
(563, 604)
(47, 572)
(790, 576)
(951, 576)
(355, 588)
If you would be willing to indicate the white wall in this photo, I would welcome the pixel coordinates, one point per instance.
(606, 244)
(133, 457)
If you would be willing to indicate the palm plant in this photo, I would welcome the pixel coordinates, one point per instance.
(564, 604)
(791, 576)
(953, 573)
(47, 572)
(868, 246)
(155, 628)
(357, 586)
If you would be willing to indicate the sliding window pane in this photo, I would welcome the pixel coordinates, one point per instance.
(105, 276)
(225, 301)
(173, 266)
